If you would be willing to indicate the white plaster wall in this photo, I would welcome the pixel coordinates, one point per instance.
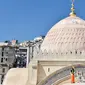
(46, 70)
(17, 76)
(32, 70)
(50, 69)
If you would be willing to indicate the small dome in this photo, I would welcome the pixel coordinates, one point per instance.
(66, 35)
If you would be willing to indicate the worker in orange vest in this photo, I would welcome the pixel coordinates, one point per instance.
(72, 75)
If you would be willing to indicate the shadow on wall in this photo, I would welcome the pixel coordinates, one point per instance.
(41, 73)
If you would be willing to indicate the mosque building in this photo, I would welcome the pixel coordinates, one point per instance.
(62, 49)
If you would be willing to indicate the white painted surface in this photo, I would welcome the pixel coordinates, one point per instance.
(66, 35)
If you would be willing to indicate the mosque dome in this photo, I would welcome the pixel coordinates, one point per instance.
(67, 35)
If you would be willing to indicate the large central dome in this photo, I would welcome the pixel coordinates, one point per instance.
(66, 35)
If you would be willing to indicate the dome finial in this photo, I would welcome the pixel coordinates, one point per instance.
(72, 9)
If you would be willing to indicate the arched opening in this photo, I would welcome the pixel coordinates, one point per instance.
(62, 75)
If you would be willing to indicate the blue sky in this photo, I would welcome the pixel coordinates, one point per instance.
(27, 19)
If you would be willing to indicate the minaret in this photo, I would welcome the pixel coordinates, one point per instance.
(72, 10)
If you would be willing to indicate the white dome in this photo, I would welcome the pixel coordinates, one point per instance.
(66, 35)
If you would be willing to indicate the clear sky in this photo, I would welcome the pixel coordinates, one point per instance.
(27, 19)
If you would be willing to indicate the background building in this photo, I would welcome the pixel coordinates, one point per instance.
(17, 55)
(7, 58)
(32, 47)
